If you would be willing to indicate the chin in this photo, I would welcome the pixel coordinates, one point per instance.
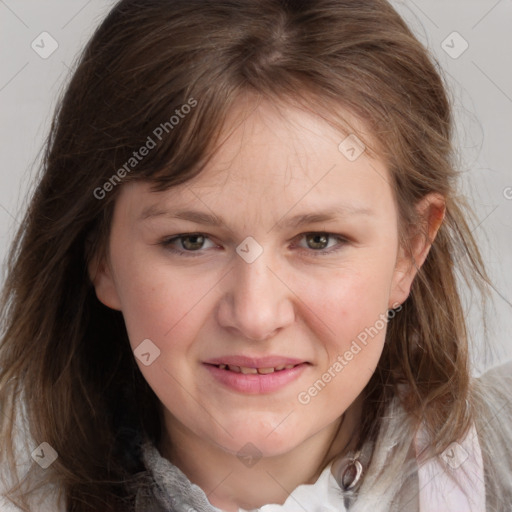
(260, 447)
(267, 441)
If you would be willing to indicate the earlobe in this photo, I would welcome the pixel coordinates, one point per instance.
(431, 210)
(101, 277)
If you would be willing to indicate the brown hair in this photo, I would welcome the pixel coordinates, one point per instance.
(68, 357)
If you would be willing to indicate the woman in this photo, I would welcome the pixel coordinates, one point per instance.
(235, 286)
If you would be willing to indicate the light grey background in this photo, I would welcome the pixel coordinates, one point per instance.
(480, 80)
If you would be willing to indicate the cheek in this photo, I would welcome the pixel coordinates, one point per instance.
(164, 306)
(150, 312)
(156, 299)
(354, 310)
(350, 302)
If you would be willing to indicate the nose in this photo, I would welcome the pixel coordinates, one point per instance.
(257, 302)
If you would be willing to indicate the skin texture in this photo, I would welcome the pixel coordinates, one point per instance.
(291, 301)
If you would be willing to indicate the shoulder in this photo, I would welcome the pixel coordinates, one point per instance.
(492, 398)
(45, 497)
(44, 500)
(492, 391)
(492, 394)
(503, 371)
(5, 505)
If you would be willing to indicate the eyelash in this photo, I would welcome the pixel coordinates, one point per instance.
(166, 243)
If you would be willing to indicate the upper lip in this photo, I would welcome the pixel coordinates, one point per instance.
(255, 362)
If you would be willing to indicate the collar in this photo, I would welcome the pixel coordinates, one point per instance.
(322, 496)
(452, 481)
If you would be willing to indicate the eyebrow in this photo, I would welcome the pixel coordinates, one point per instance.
(331, 214)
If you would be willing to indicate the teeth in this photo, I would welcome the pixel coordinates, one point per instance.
(252, 371)
(265, 371)
(247, 371)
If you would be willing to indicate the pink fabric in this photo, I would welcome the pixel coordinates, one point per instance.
(454, 481)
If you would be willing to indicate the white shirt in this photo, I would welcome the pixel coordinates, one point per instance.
(322, 496)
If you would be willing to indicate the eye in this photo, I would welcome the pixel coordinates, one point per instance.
(319, 243)
(187, 243)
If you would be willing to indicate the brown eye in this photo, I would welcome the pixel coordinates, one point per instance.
(318, 244)
(192, 242)
(317, 240)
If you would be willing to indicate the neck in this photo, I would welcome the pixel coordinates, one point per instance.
(230, 485)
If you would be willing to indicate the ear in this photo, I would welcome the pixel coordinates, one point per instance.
(101, 276)
(431, 210)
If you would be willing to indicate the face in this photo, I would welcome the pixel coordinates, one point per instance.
(262, 284)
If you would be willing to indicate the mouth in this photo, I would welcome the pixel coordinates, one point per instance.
(248, 370)
(251, 375)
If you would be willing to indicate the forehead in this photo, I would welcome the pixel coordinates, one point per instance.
(279, 159)
(266, 143)
(277, 136)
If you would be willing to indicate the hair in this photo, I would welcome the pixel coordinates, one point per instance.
(66, 356)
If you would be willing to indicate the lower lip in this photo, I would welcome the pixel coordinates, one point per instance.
(255, 384)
